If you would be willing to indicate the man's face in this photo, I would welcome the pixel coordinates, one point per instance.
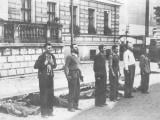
(130, 46)
(75, 49)
(116, 50)
(49, 48)
(147, 51)
(102, 50)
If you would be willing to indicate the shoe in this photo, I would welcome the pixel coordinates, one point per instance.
(71, 110)
(129, 96)
(99, 105)
(146, 92)
(44, 116)
(118, 98)
(50, 114)
(105, 104)
(77, 108)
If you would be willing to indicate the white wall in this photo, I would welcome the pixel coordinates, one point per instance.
(4, 9)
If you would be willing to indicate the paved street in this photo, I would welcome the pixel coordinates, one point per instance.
(139, 108)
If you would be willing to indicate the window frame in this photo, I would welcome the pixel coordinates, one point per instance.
(109, 18)
(26, 10)
(76, 18)
(51, 13)
(93, 16)
(94, 19)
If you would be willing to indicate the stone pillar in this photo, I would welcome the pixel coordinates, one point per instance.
(48, 34)
(16, 35)
(1, 31)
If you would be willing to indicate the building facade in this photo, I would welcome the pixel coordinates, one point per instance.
(26, 25)
(132, 16)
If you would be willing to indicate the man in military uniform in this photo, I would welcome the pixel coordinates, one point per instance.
(45, 65)
(99, 68)
(73, 75)
(114, 73)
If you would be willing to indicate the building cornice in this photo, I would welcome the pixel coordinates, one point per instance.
(110, 2)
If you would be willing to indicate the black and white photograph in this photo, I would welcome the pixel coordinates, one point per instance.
(79, 59)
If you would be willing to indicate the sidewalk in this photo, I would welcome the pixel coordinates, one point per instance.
(28, 84)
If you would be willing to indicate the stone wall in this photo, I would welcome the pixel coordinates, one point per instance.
(88, 42)
(19, 60)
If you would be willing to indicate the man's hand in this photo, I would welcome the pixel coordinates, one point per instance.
(69, 78)
(98, 78)
(114, 75)
(119, 74)
(142, 72)
(127, 71)
(81, 78)
(46, 62)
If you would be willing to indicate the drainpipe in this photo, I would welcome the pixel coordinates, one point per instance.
(146, 22)
(71, 22)
(115, 24)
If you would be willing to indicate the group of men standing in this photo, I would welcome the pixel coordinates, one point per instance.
(99, 68)
(47, 62)
(100, 71)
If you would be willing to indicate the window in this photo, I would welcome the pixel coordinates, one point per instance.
(106, 18)
(51, 11)
(26, 10)
(76, 28)
(92, 54)
(74, 15)
(91, 19)
(107, 30)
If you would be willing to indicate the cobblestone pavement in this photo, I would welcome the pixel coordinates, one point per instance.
(126, 109)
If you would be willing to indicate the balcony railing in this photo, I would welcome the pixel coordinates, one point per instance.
(19, 32)
(30, 33)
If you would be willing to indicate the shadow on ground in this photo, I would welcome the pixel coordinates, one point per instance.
(141, 107)
(155, 72)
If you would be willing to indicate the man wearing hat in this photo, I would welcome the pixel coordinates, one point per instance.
(45, 65)
(129, 70)
(99, 68)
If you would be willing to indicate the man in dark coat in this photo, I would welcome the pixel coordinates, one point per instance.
(114, 73)
(45, 65)
(73, 75)
(145, 71)
(99, 68)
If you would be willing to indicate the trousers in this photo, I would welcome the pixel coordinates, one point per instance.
(100, 89)
(74, 89)
(144, 82)
(129, 80)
